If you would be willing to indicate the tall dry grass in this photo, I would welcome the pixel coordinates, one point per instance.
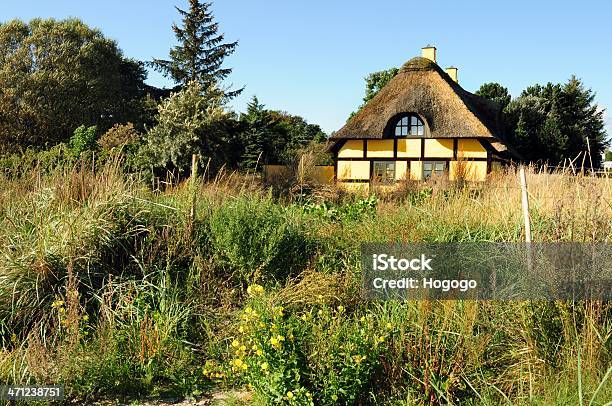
(150, 293)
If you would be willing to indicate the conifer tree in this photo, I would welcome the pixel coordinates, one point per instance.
(258, 134)
(201, 51)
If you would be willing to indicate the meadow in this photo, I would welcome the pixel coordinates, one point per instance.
(120, 288)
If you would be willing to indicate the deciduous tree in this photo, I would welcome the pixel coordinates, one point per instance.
(58, 75)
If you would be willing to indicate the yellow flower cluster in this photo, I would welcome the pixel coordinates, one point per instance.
(57, 303)
(276, 341)
(212, 370)
(255, 290)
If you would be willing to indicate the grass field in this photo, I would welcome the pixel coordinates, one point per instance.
(116, 291)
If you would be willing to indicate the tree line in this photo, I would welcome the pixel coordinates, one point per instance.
(62, 82)
(546, 124)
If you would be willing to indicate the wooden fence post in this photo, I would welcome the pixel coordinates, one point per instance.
(194, 189)
(525, 204)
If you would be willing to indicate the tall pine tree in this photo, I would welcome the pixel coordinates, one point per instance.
(258, 135)
(201, 50)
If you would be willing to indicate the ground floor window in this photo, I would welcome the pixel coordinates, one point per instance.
(383, 172)
(433, 168)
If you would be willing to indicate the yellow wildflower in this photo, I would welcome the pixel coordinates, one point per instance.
(255, 290)
(57, 303)
(289, 395)
(236, 343)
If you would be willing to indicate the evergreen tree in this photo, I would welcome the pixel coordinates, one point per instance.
(189, 122)
(274, 137)
(201, 50)
(553, 122)
(258, 134)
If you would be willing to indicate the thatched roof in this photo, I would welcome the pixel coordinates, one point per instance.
(422, 87)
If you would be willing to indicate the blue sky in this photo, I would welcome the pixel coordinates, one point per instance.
(310, 57)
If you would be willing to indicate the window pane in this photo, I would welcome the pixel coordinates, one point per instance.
(415, 121)
(398, 130)
(420, 130)
(440, 166)
(405, 121)
(427, 166)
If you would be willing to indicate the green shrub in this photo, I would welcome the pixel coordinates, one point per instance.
(257, 239)
(322, 356)
(83, 139)
(348, 211)
(118, 136)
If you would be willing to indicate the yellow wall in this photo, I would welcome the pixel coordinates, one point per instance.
(409, 148)
(470, 148)
(273, 173)
(323, 174)
(380, 149)
(471, 170)
(438, 148)
(353, 170)
(352, 149)
(401, 169)
(416, 170)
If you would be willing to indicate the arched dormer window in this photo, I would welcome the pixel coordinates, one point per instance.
(409, 125)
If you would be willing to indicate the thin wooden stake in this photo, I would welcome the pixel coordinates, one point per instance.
(194, 190)
(590, 157)
(525, 204)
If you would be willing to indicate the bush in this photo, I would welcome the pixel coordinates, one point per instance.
(17, 165)
(323, 356)
(83, 139)
(257, 239)
(118, 136)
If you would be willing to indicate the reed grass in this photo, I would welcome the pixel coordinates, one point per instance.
(109, 286)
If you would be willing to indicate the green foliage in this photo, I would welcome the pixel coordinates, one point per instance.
(118, 136)
(191, 121)
(83, 139)
(258, 135)
(58, 75)
(553, 122)
(375, 82)
(20, 164)
(252, 237)
(322, 356)
(273, 137)
(111, 290)
(495, 92)
(349, 211)
(199, 56)
(608, 155)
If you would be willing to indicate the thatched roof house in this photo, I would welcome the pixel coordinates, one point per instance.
(423, 102)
